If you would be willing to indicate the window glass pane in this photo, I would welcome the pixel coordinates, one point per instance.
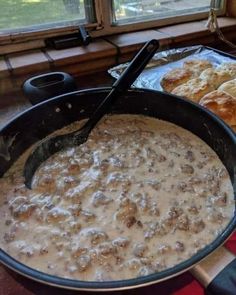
(138, 10)
(29, 14)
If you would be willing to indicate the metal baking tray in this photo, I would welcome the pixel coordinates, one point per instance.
(164, 61)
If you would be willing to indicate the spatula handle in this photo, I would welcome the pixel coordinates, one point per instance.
(136, 66)
(127, 78)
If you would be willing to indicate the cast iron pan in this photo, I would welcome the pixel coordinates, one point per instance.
(46, 117)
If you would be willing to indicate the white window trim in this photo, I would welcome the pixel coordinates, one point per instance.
(103, 27)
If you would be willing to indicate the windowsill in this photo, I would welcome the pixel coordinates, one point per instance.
(106, 52)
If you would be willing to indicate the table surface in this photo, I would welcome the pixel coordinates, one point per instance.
(15, 284)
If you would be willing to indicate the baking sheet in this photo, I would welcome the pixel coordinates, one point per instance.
(164, 61)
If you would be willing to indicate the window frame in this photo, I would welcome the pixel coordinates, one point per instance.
(11, 42)
(108, 29)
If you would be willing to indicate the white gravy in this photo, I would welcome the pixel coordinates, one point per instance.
(140, 196)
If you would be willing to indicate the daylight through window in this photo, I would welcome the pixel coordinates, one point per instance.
(129, 11)
(37, 14)
(102, 17)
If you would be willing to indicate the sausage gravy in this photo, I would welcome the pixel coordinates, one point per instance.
(140, 196)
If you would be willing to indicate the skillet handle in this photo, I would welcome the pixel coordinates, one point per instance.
(217, 273)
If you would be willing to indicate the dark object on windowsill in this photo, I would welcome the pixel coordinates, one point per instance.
(71, 40)
(45, 86)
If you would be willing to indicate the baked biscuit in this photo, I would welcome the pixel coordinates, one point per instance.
(174, 78)
(230, 67)
(229, 87)
(222, 104)
(197, 65)
(191, 69)
(194, 89)
(215, 77)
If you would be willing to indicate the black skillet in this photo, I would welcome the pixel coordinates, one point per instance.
(45, 118)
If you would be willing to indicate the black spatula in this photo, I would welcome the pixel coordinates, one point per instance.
(50, 146)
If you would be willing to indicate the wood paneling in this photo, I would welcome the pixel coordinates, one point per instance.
(231, 8)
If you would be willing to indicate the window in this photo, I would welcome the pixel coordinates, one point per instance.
(133, 11)
(28, 15)
(27, 20)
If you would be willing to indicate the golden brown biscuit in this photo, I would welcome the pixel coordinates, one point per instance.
(191, 69)
(194, 89)
(229, 87)
(197, 65)
(215, 77)
(222, 104)
(174, 78)
(230, 67)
